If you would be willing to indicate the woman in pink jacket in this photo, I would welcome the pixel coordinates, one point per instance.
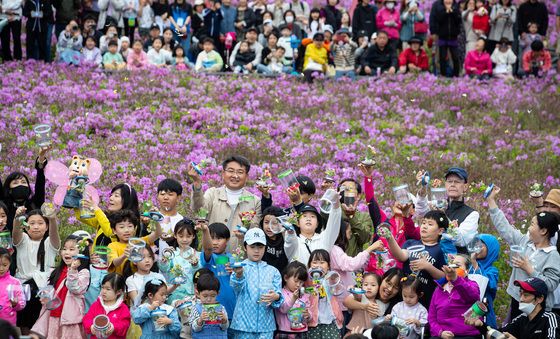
(12, 298)
(111, 304)
(70, 280)
(389, 20)
(478, 62)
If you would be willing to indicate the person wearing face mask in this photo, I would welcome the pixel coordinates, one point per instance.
(388, 19)
(534, 322)
(17, 190)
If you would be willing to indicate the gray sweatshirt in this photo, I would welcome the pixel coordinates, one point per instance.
(545, 261)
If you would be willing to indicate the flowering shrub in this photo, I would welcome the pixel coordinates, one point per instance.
(147, 126)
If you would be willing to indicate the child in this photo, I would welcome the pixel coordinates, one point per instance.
(70, 281)
(243, 57)
(91, 54)
(285, 42)
(13, 300)
(294, 278)
(137, 58)
(528, 38)
(428, 262)
(541, 258)
(135, 282)
(537, 61)
(257, 286)
(481, 20)
(299, 247)
(453, 297)
(504, 58)
(3, 216)
(167, 326)
(113, 60)
(327, 317)
(364, 307)
(185, 256)
(40, 243)
(410, 310)
(208, 60)
(215, 240)
(315, 22)
(204, 324)
(344, 52)
(180, 61)
(169, 193)
(123, 225)
(482, 263)
(274, 254)
(125, 47)
(157, 56)
(110, 303)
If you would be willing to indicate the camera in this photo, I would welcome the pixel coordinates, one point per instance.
(75, 28)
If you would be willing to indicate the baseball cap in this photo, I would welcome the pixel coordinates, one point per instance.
(533, 285)
(255, 236)
(83, 234)
(252, 29)
(154, 26)
(461, 172)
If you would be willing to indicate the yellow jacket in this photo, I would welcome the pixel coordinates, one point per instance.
(100, 223)
(319, 55)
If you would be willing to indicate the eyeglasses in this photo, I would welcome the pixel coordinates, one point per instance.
(231, 171)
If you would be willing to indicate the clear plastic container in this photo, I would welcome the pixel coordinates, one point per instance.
(288, 179)
(328, 200)
(137, 248)
(402, 194)
(439, 197)
(43, 135)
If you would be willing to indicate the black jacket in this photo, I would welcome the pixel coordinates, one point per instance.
(364, 20)
(457, 210)
(543, 326)
(333, 17)
(274, 254)
(66, 10)
(446, 25)
(242, 59)
(45, 6)
(384, 59)
(250, 20)
(532, 12)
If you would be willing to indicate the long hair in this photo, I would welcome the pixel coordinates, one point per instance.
(41, 250)
(84, 263)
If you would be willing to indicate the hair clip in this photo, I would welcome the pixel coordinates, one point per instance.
(542, 214)
(156, 282)
(441, 219)
(403, 279)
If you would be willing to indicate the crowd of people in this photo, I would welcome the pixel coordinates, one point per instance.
(241, 267)
(478, 38)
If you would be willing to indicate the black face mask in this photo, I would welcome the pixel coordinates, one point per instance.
(20, 192)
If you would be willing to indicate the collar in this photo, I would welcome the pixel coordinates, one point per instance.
(113, 307)
(544, 249)
(222, 193)
(456, 204)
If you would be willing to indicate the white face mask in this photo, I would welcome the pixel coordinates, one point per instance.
(390, 5)
(527, 308)
(289, 19)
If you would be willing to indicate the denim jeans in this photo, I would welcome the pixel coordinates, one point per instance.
(350, 74)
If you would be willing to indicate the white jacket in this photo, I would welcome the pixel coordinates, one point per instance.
(113, 8)
(299, 248)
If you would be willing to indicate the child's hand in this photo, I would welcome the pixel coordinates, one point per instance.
(264, 190)
(224, 317)
(164, 321)
(376, 246)
(155, 304)
(239, 235)
(412, 321)
(450, 273)
(127, 251)
(21, 211)
(14, 302)
(75, 264)
(201, 225)
(238, 271)
(204, 316)
(306, 315)
(420, 264)
(447, 335)
(269, 298)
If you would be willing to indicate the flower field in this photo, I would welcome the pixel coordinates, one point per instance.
(146, 126)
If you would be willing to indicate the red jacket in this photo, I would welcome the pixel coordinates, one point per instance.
(409, 57)
(120, 318)
(481, 22)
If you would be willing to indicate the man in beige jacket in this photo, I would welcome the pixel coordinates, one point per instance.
(225, 203)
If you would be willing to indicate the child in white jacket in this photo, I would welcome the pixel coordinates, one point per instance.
(504, 58)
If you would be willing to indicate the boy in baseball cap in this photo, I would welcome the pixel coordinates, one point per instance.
(257, 286)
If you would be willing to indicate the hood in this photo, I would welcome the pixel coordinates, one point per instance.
(493, 251)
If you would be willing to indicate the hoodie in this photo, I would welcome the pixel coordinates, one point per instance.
(487, 269)
(274, 254)
(6, 311)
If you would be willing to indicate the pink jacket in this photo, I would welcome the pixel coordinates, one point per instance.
(345, 265)
(385, 15)
(282, 312)
(480, 61)
(120, 318)
(6, 310)
(140, 59)
(73, 309)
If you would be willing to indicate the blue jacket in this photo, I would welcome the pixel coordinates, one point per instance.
(226, 296)
(142, 316)
(250, 315)
(228, 19)
(489, 271)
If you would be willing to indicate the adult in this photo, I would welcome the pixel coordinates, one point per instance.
(181, 16)
(278, 8)
(251, 37)
(468, 15)
(11, 10)
(301, 11)
(258, 7)
(225, 203)
(413, 22)
(90, 28)
(534, 322)
(478, 63)
(294, 27)
(110, 10)
(245, 19)
(388, 19)
(502, 19)
(551, 203)
(332, 15)
(360, 222)
(66, 11)
(532, 11)
(414, 58)
(228, 17)
(37, 29)
(315, 59)
(364, 18)
(445, 19)
(380, 57)
(389, 290)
